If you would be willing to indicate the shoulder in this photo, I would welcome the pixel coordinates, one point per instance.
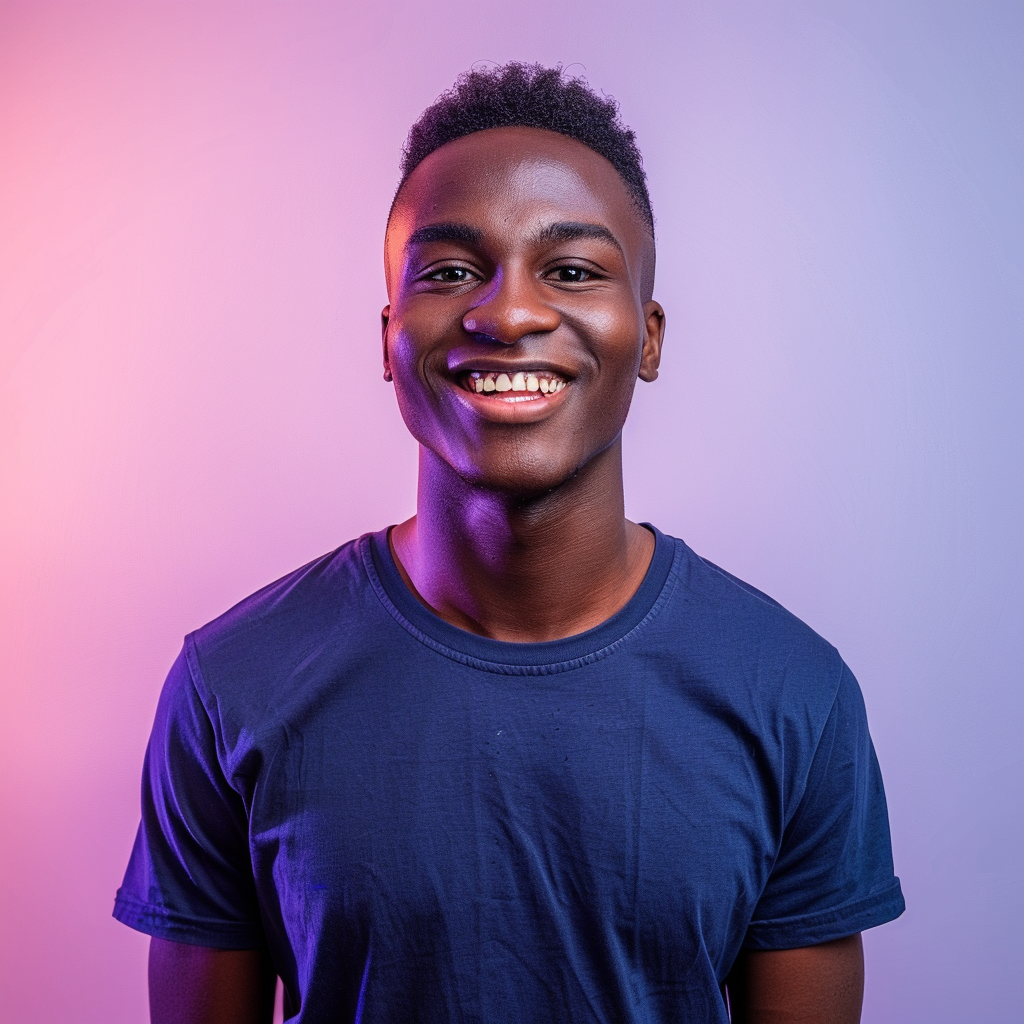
(261, 642)
(741, 638)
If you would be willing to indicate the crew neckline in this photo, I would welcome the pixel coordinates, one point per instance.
(509, 657)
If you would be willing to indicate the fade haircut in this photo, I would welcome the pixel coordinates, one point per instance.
(516, 95)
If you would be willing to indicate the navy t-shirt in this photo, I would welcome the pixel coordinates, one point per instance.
(422, 824)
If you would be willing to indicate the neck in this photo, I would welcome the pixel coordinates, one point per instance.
(523, 569)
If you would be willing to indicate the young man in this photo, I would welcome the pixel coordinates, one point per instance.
(517, 758)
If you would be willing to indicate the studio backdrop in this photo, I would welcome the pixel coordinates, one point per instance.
(192, 205)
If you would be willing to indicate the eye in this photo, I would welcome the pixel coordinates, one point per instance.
(450, 275)
(571, 275)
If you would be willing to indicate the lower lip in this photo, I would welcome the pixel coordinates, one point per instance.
(513, 406)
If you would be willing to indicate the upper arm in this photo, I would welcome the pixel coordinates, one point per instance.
(189, 882)
(199, 985)
(190, 878)
(832, 874)
(821, 984)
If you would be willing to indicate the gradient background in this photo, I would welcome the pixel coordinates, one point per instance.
(192, 203)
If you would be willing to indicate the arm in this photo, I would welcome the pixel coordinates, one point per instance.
(197, 985)
(816, 985)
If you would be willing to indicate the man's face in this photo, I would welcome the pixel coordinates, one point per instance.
(519, 277)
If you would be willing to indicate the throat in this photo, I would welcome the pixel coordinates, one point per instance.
(522, 568)
(522, 592)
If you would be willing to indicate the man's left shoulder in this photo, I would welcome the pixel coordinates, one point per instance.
(746, 635)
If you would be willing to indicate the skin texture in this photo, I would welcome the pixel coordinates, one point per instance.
(196, 985)
(817, 985)
(517, 249)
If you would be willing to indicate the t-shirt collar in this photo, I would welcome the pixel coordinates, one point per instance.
(501, 655)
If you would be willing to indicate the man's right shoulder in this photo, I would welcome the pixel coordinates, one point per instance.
(321, 604)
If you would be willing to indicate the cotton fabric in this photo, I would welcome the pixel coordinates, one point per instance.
(425, 825)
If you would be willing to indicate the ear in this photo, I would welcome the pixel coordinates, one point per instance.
(654, 335)
(385, 315)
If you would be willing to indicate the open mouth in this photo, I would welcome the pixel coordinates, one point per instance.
(522, 386)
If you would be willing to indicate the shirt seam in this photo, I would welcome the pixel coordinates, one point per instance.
(799, 806)
(850, 908)
(845, 919)
(208, 699)
(176, 919)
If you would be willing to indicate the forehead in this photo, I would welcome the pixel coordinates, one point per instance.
(506, 177)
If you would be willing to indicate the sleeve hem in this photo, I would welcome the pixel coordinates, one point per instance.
(162, 923)
(813, 929)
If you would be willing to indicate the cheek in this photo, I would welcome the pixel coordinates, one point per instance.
(618, 350)
(409, 353)
(603, 322)
(616, 337)
(406, 361)
(610, 321)
(401, 348)
(419, 328)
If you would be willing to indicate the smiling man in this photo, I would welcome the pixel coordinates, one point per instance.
(517, 758)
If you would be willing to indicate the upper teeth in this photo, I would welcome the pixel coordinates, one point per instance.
(534, 380)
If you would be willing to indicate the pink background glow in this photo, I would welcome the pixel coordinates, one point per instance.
(192, 202)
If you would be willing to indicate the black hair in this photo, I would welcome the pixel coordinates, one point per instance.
(530, 96)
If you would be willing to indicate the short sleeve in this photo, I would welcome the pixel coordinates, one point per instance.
(189, 878)
(834, 873)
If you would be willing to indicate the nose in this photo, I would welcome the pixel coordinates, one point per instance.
(513, 307)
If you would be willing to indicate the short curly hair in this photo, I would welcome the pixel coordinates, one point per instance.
(530, 96)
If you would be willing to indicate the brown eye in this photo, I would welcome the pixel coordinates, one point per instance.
(451, 275)
(572, 275)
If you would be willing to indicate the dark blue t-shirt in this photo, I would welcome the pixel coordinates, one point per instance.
(427, 825)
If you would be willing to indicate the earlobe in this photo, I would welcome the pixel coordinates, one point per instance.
(385, 315)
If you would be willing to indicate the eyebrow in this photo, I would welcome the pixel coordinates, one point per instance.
(562, 231)
(568, 230)
(448, 232)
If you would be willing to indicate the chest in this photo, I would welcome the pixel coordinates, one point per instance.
(616, 804)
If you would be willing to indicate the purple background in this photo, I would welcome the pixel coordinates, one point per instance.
(192, 203)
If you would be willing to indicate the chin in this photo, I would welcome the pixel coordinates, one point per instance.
(522, 479)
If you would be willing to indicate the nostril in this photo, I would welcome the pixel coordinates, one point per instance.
(473, 327)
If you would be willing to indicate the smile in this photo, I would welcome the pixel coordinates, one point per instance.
(522, 386)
